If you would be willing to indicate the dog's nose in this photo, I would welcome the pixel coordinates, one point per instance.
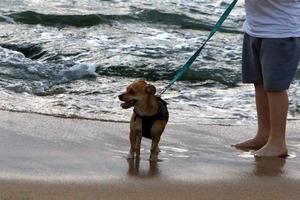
(120, 96)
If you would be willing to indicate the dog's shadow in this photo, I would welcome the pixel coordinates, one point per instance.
(134, 169)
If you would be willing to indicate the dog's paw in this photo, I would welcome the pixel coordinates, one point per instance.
(153, 158)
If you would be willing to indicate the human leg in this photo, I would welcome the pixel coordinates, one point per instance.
(272, 62)
(278, 108)
(263, 130)
(279, 59)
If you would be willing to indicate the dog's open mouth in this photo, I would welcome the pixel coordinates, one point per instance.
(128, 104)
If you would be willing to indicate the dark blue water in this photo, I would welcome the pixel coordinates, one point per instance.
(72, 58)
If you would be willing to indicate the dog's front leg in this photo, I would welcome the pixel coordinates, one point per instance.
(138, 144)
(132, 139)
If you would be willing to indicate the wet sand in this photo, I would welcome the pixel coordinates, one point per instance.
(43, 157)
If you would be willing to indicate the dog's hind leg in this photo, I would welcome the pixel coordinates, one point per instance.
(154, 148)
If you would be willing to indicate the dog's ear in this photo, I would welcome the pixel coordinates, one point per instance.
(150, 89)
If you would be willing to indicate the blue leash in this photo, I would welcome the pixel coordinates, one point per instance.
(187, 65)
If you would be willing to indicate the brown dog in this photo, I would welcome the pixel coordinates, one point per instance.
(149, 118)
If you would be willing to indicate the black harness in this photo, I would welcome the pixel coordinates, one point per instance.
(147, 121)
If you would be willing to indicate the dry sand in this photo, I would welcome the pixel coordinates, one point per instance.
(43, 157)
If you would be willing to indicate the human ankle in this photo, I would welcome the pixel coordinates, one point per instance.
(261, 138)
(277, 141)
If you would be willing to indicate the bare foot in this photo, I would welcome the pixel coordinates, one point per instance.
(254, 143)
(272, 150)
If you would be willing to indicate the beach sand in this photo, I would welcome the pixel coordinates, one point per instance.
(44, 157)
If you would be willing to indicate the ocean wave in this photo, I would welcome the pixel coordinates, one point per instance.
(32, 51)
(31, 17)
(25, 74)
(21, 74)
(225, 76)
(76, 72)
(145, 16)
(7, 19)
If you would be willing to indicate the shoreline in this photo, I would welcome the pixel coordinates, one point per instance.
(127, 121)
(45, 157)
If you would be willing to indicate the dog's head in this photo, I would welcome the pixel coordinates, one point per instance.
(136, 93)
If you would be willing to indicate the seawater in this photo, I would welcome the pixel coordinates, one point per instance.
(72, 58)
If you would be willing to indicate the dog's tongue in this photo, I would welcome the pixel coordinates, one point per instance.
(125, 105)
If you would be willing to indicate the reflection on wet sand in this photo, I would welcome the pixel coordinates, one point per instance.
(134, 169)
(273, 166)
